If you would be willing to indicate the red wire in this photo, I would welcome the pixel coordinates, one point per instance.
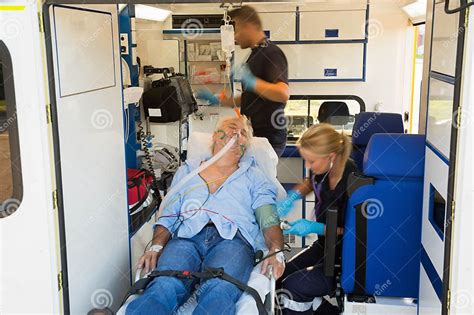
(211, 211)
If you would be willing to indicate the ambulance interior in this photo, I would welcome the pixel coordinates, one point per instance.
(391, 69)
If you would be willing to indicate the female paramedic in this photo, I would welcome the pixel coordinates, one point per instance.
(326, 152)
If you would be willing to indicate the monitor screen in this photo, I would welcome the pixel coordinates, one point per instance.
(185, 95)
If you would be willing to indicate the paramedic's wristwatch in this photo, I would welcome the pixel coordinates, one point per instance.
(155, 248)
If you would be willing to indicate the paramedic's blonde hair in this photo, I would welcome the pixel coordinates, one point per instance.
(242, 118)
(323, 139)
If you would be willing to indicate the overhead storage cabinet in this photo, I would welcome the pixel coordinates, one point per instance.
(332, 25)
(281, 25)
(324, 61)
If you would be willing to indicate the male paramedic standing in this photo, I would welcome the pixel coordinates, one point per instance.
(264, 80)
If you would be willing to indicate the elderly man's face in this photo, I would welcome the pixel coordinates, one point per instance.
(228, 130)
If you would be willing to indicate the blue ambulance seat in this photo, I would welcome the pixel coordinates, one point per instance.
(382, 234)
(368, 123)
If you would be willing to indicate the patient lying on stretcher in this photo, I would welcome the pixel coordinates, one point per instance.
(216, 220)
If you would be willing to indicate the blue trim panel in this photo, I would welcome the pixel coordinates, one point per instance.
(185, 58)
(297, 28)
(291, 151)
(331, 33)
(443, 77)
(431, 215)
(303, 207)
(320, 41)
(437, 152)
(364, 62)
(183, 30)
(131, 144)
(328, 80)
(330, 72)
(430, 270)
(288, 186)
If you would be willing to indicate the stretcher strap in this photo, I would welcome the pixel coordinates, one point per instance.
(209, 273)
(360, 249)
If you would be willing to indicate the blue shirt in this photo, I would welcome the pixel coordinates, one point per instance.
(230, 208)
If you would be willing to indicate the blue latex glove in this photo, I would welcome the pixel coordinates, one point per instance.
(286, 205)
(248, 79)
(206, 95)
(303, 227)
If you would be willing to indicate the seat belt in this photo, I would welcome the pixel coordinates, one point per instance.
(209, 273)
(360, 249)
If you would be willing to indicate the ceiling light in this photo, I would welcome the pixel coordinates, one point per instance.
(416, 11)
(147, 12)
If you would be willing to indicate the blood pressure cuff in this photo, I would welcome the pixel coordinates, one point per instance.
(267, 216)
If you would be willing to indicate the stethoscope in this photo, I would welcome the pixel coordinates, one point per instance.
(317, 189)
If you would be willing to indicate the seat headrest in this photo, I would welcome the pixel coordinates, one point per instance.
(368, 123)
(395, 155)
(332, 109)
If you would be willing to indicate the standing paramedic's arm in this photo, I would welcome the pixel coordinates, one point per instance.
(278, 90)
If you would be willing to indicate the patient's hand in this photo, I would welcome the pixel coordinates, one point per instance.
(277, 266)
(148, 261)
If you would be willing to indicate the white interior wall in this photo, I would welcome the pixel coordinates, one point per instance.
(387, 74)
(389, 51)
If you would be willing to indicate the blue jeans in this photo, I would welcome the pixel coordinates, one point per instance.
(215, 296)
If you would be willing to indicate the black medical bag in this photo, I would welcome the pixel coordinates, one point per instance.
(169, 99)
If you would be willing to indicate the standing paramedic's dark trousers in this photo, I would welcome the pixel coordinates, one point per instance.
(279, 148)
(304, 279)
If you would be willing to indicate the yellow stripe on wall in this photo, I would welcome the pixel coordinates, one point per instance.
(12, 7)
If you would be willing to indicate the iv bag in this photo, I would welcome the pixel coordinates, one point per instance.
(227, 39)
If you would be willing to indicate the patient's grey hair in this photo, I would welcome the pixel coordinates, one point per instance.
(242, 118)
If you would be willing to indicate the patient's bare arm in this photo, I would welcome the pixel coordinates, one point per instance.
(273, 237)
(149, 259)
(274, 241)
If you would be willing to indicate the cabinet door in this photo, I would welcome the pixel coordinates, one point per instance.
(282, 25)
(325, 61)
(332, 25)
